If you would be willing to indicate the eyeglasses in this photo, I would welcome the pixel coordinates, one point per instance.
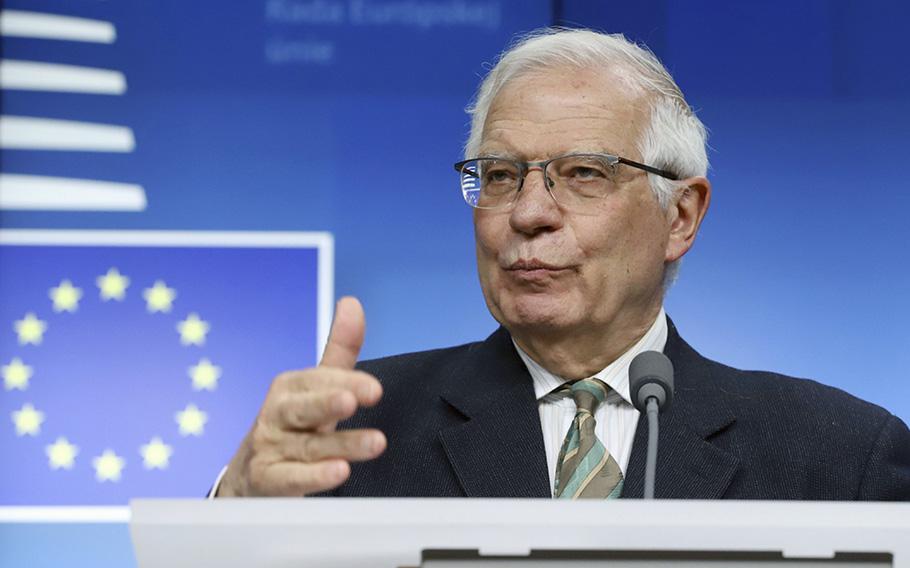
(575, 180)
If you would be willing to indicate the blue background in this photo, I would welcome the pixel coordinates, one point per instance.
(801, 265)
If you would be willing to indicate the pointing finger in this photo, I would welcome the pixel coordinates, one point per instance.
(346, 336)
(364, 386)
(310, 410)
(349, 445)
(295, 478)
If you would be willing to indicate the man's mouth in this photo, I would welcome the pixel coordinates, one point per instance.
(534, 265)
(536, 272)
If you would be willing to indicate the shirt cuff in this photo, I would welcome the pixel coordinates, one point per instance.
(214, 490)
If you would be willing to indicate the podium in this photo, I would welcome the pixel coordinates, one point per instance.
(450, 533)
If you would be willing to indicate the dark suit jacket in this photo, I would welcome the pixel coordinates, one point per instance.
(464, 421)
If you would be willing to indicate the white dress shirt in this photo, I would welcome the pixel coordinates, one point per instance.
(616, 417)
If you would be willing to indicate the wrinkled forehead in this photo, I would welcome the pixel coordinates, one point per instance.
(547, 111)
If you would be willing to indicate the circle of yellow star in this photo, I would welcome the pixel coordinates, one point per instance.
(193, 330)
(159, 297)
(30, 329)
(28, 420)
(108, 466)
(191, 420)
(66, 297)
(156, 454)
(61, 454)
(205, 375)
(16, 375)
(113, 285)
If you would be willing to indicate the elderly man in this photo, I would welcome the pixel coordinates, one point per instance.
(586, 173)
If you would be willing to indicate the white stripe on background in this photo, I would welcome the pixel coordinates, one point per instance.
(64, 514)
(29, 133)
(36, 76)
(19, 23)
(41, 193)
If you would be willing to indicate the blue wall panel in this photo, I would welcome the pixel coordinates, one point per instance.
(269, 116)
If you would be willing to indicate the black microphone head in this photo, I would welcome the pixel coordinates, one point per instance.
(651, 375)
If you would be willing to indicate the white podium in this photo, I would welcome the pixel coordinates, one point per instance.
(506, 533)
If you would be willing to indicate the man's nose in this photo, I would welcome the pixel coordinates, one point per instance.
(535, 209)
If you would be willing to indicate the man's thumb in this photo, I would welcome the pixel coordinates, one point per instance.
(346, 336)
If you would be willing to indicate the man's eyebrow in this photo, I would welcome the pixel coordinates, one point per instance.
(589, 150)
(499, 155)
(506, 155)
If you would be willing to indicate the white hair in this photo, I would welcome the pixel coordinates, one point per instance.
(674, 138)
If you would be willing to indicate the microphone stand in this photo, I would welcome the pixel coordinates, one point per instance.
(651, 461)
(651, 385)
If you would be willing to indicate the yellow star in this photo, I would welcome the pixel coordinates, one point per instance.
(205, 375)
(108, 466)
(159, 297)
(28, 420)
(66, 297)
(30, 329)
(16, 374)
(61, 454)
(156, 454)
(113, 285)
(191, 420)
(193, 330)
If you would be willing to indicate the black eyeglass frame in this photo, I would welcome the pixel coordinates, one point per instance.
(525, 167)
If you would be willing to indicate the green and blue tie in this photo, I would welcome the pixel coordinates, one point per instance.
(585, 469)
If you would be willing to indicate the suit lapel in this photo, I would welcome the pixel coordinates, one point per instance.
(498, 450)
(689, 466)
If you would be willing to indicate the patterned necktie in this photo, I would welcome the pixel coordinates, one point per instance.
(585, 469)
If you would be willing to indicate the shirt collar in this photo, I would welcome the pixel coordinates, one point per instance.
(615, 375)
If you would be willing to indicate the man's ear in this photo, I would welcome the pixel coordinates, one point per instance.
(685, 213)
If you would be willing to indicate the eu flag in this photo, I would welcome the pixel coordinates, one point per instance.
(133, 362)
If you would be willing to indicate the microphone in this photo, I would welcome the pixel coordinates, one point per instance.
(651, 385)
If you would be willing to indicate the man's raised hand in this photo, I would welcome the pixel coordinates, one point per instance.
(293, 447)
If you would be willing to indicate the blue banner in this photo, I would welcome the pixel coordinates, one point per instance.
(133, 363)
